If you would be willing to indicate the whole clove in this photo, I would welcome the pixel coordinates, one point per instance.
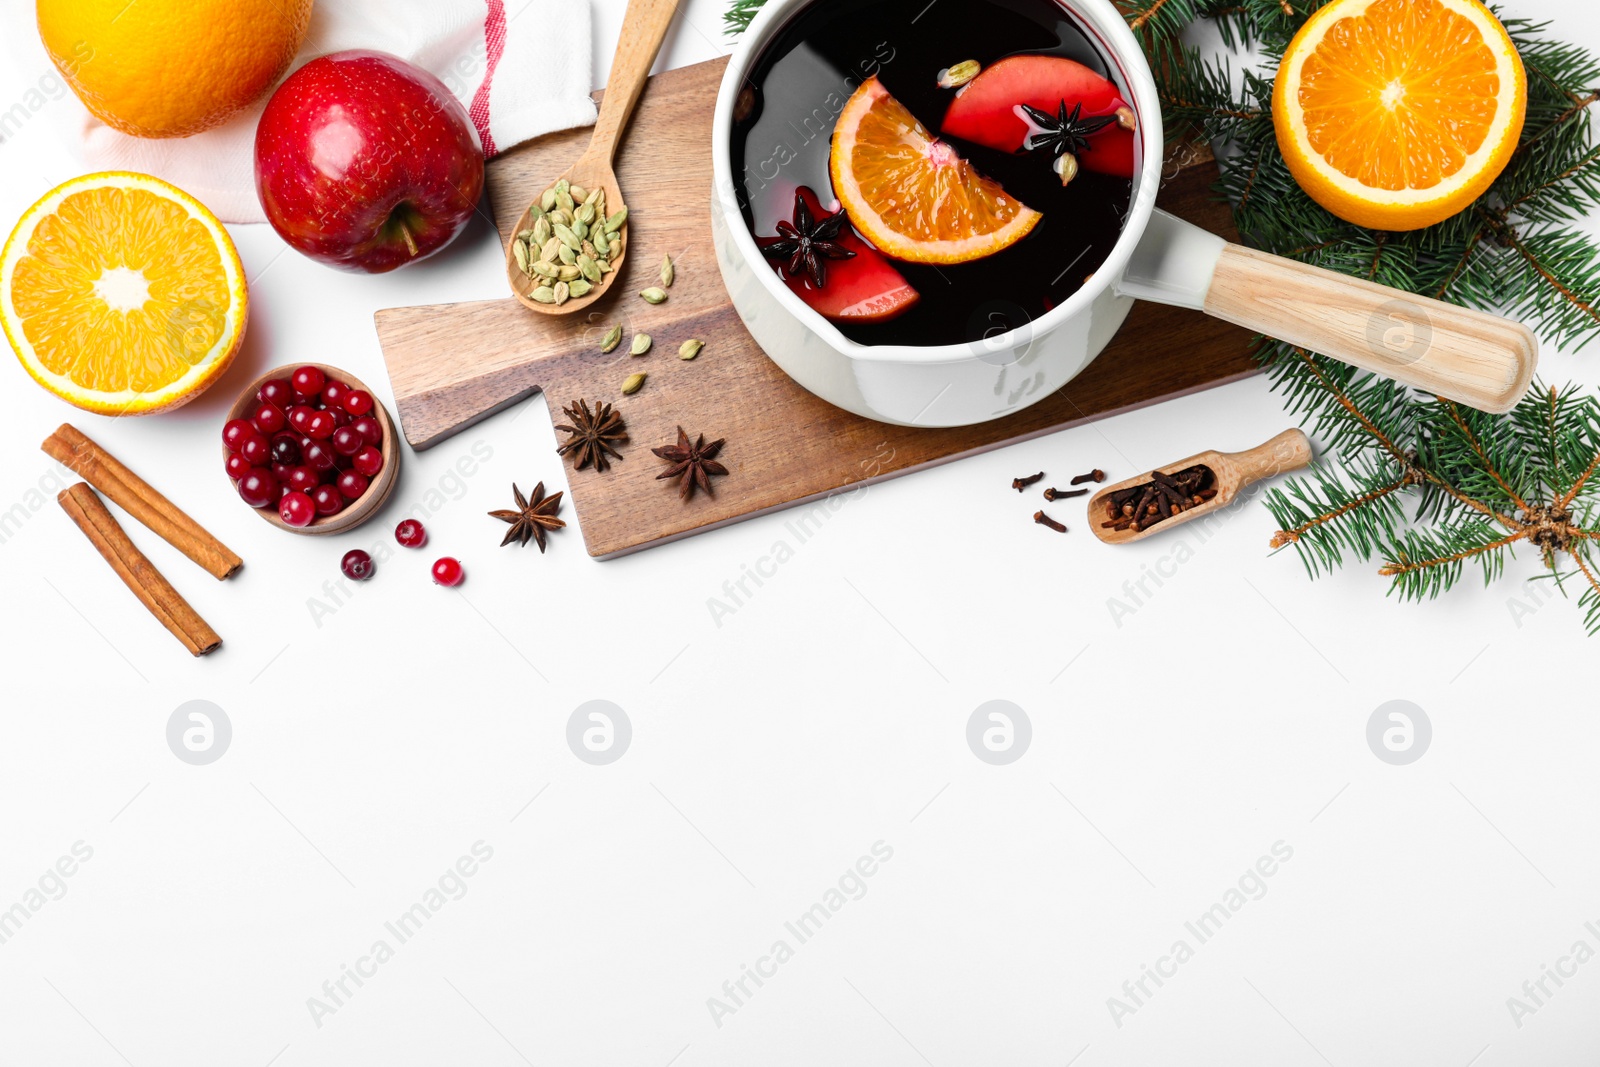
(1019, 484)
(1096, 475)
(1063, 494)
(1139, 507)
(1044, 520)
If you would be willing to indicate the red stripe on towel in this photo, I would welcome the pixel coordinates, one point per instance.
(494, 36)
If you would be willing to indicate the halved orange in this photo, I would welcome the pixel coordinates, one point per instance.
(1396, 114)
(122, 294)
(911, 194)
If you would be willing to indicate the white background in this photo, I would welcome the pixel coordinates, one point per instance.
(373, 745)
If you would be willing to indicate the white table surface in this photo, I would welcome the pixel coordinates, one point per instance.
(378, 735)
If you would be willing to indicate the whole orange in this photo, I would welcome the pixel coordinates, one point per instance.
(171, 68)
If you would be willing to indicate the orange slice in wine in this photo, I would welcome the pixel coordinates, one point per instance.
(911, 194)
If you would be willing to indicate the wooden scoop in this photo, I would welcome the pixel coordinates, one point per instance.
(644, 27)
(1233, 471)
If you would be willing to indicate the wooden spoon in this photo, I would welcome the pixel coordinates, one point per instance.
(1233, 471)
(644, 27)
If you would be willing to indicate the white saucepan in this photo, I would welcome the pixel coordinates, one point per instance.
(1476, 358)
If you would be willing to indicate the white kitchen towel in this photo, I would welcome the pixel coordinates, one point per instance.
(521, 68)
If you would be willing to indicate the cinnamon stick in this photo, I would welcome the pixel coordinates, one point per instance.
(101, 469)
(140, 575)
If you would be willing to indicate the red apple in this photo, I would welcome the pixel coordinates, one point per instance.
(366, 162)
(862, 288)
(985, 110)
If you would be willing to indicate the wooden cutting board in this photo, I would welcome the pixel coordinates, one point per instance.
(453, 364)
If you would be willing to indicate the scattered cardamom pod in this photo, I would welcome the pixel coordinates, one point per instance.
(641, 344)
(613, 338)
(544, 295)
(667, 273)
(653, 295)
(954, 77)
(633, 384)
(690, 348)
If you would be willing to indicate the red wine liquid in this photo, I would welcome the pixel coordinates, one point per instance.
(800, 83)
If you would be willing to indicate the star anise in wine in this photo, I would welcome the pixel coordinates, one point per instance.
(1061, 132)
(693, 463)
(808, 242)
(593, 434)
(532, 517)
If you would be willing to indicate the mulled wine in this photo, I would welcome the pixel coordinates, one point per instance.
(933, 173)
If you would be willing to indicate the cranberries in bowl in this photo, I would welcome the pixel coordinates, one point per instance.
(311, 449)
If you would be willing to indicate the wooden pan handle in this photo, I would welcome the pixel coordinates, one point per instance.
(1457, 353)
(644, 27)
(1289, 451)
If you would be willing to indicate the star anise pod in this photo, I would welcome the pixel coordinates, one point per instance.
(593, 434)
(692, 463)
(808, 242)
(1061, 132)
(532, 517)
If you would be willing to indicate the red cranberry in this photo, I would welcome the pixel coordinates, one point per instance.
(411, 534)
(258, 488)
(307, 381)
(447, 571)
(300, 417)
(357, 565)
(328, 500)
(296, 509)
(358, 401)
(320, 426)
(352, 484)
(318, 455)
(237, 466)
(303, 479)
(333, 395)
(236, 432)
(286, 449)
(277, 392)
(347, 442)
(281, 471)
(370, 429)
(256, 451)
(268, 419)
(368, 461)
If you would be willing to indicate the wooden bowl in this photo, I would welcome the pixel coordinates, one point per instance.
(367, 504)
